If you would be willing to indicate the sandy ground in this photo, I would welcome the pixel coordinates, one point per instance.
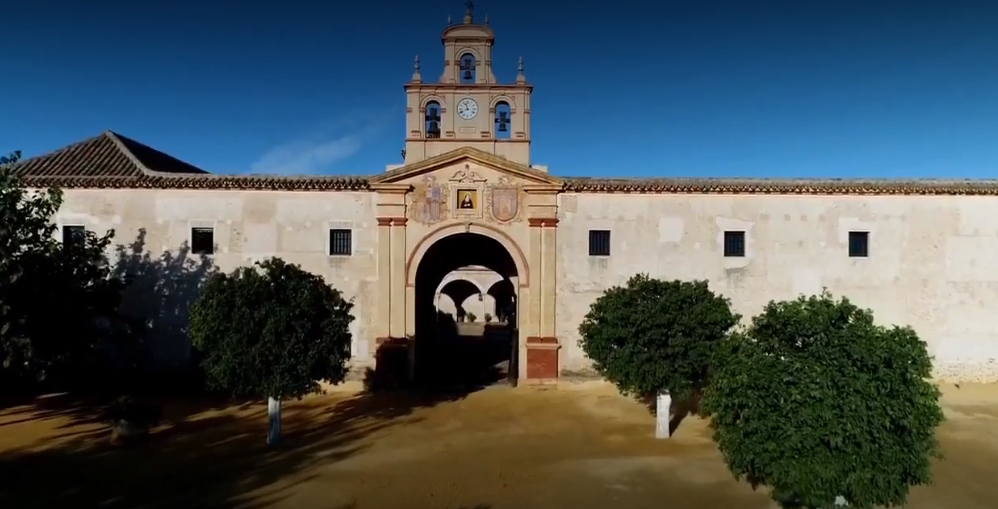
(574, 446)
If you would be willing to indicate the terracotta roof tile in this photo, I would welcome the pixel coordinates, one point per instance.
(111, 160)
(106, 155)
(779, 186)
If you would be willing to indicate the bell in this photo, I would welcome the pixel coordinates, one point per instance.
(502, 126)
(467, 74)
(433, 130)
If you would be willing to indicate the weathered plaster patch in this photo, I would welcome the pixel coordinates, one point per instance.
(854, 224)
(670, 230)
(806, 281)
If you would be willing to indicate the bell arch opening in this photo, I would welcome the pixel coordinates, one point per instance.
(453, 350)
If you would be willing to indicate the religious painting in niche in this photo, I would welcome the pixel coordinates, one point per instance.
(429, 201)
(466, 199)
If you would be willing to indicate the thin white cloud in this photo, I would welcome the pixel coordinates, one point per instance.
(319, 153)
(302, 157)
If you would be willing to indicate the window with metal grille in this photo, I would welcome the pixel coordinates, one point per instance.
(599, 242)
(340, 243)
(203, 241)
(73, 235)
(859, 244)
(734, 244)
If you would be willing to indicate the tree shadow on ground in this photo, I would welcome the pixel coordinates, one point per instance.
(211, 459)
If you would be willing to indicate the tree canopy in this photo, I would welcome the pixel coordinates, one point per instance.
(653, 335)
(58, 303)
(271, 330)
(816, 401)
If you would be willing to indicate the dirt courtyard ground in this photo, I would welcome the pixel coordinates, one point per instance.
(574, 446)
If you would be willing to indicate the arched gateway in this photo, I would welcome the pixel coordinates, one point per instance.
(445, 351)
(459, 209)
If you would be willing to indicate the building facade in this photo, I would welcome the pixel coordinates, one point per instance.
(919, 253)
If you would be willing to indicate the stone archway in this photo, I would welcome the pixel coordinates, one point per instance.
(442, 354)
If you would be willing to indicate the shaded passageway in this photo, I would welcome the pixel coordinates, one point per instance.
(478, 354)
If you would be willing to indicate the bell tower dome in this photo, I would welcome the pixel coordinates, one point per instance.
(467, 106)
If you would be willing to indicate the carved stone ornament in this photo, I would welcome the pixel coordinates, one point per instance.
(467, 176)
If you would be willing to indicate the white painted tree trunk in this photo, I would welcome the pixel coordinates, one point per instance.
(663, 407)
(274, 421)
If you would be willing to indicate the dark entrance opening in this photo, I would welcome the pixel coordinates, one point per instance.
(446, 357)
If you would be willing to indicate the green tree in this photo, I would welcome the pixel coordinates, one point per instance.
(272, 330)
(653, 336)
(817, 402)
(58, 304)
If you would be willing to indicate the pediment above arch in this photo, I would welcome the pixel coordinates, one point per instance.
(468, 184)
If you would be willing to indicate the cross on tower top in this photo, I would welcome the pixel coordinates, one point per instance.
(468, 13)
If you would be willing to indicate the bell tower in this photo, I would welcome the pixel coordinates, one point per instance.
(467, 106)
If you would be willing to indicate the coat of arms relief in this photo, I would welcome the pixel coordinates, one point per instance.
(429, 201)
(503, 200)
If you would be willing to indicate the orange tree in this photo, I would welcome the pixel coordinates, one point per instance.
(272, 330)
(824, 407)
(652, 336)
(39, 275)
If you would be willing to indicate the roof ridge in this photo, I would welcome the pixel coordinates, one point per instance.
(113, 136)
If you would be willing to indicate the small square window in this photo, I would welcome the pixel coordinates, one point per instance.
(859, 244)
(73, 235)
(340, 242)
(599, 242)
(203, 241)
(734, 244)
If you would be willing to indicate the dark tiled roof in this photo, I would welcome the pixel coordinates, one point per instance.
(111, 160)
(106, 155)
(780, 186)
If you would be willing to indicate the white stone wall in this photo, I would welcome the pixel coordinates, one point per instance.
(248, 226)
(932, 261)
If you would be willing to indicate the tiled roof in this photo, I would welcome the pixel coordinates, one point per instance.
(780, 186)
(111, 160)
(106, 155)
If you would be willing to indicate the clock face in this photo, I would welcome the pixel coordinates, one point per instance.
(467, 108)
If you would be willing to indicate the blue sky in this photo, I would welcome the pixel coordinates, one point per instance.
(819, 88)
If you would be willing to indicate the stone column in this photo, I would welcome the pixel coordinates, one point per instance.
(540, 345)
(549, 277)
(391, 353)
(383, 302)
(397, 295)
(541, 348)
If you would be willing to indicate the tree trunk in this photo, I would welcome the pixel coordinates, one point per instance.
(274, 421)
(663, 409)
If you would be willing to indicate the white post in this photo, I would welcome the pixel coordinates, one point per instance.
(274, 421)
(663, 407)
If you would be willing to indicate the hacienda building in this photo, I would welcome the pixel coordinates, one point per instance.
(467, 210)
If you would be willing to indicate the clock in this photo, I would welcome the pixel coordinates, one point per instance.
(467, 108)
